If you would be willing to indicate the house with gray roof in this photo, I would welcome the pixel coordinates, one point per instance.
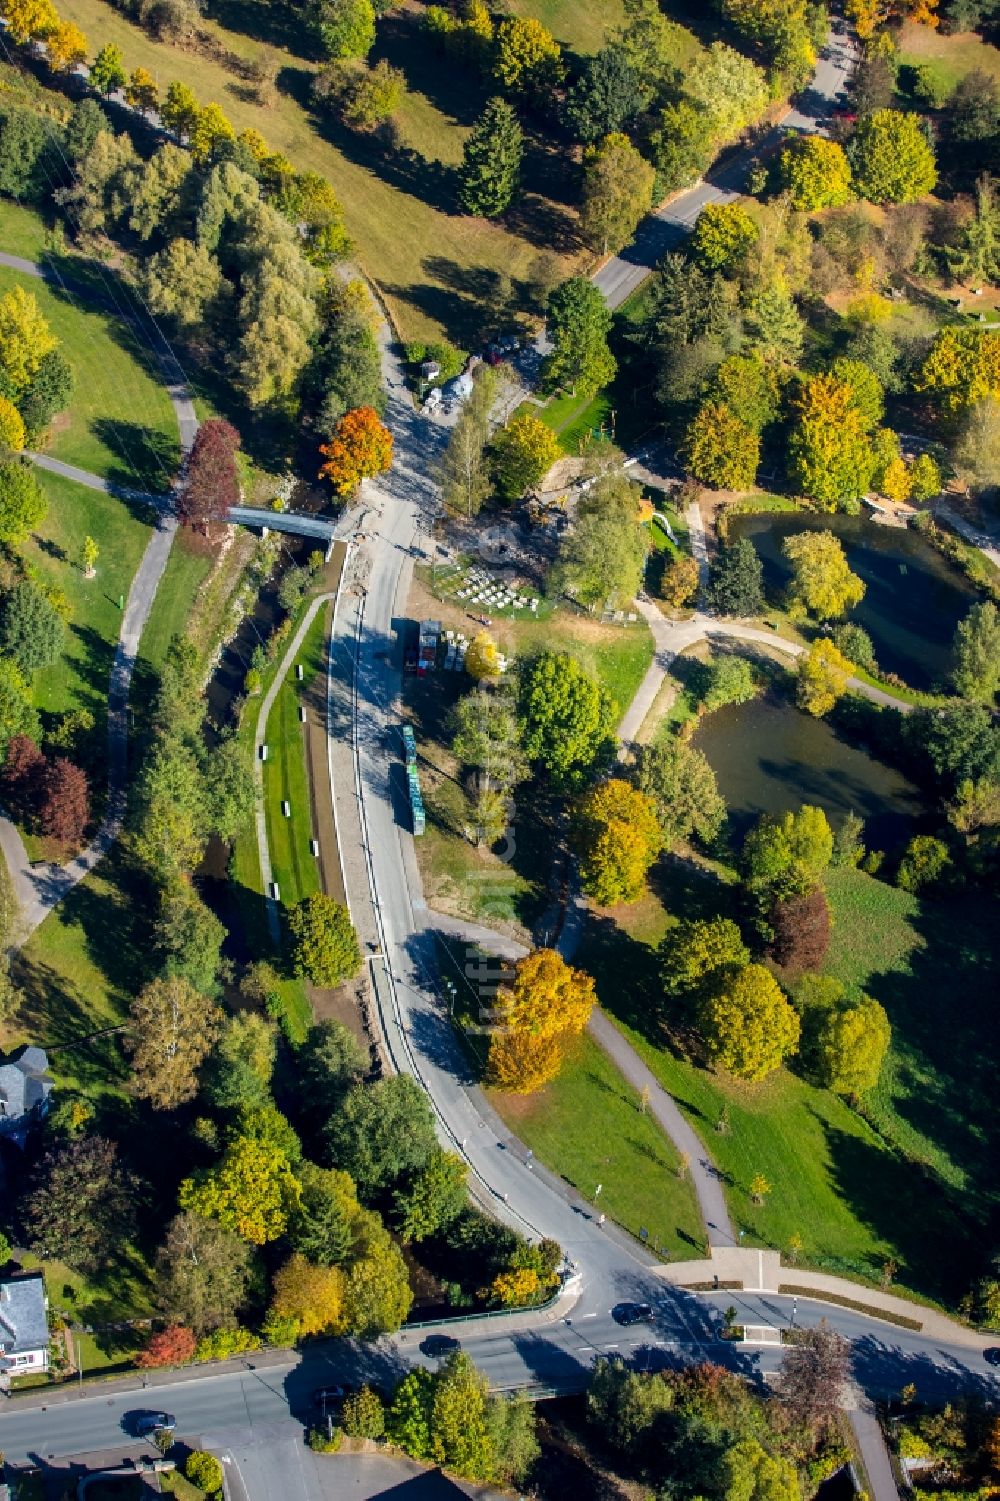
(25, 1087)
(24, 1328)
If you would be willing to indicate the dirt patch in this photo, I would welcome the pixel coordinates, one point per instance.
(342, 1004)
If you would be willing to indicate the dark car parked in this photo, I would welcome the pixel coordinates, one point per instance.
(144, 1424)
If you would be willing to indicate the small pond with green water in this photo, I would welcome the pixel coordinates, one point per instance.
(914, 598)
(770, 757)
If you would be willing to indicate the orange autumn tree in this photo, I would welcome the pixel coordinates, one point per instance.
(360, 448)
(546, 1004)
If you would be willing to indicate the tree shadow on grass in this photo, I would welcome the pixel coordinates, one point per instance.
(145, 458)
(940, 1246)
(457, 91)
(278, 25)
(944, 1083)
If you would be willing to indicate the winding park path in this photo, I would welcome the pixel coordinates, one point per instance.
(39, 886)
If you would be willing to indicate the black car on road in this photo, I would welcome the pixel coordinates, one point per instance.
(438, 1344)
(632, 1313)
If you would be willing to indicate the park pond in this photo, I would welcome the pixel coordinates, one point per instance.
(769, 757)
(914, 598)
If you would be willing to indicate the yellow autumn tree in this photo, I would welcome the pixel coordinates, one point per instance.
(618, 835)
(29, 19)
(25, 339)
(66, 45)
(251, 1191)
(546, 1004)
(313, 1296)
(823, 674)
(748, 1023)
(482, 660)
(12, 435)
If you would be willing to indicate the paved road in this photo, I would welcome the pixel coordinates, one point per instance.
(38, 887)
(267, 1402)
(619, 277)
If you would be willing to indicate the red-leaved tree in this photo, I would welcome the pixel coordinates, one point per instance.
(64, 810)
(801, 931)
(360, 448)
(173, 1346)
(211, 484)
(21, 776)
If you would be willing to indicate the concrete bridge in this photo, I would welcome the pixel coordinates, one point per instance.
(320, 527)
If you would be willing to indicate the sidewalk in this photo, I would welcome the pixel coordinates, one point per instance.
(762, 1271)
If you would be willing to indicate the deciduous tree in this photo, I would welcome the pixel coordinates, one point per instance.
(360, 448)
(204, 1471)
(326, 945)
(695, 952)
(545, 1005)
(379, 1296)
(851, 1045)
(141, 91)
(813, 1375)
(822, 677)
(618, 836)
(720, 450)
(211, 484)
(680, 582)
(748, 1024)
(107, 71)
(683, 788)
(482, 659)
(787, 856)
(202, 1273)
(724, 235)
(346, 28)
(172, 1346)
(311, 1296)
(434, 1199)
(80, 1203)
(892, 159)
(976, 653)
(29, 20)
(522, 454)
(12, 434)
(25, 340)
(579, 322)
(924, 862)
(381, 1132)
(617, 193)
(822, 583)
(64, 802)
(251, 1191)
(830, 454)
(373, 95)
(17, 717)
(604, 555)
(567, 718)
(171, 1030)
(816, 174)
(527, 59)
(801, 925)
(491, 161)
(66, 46)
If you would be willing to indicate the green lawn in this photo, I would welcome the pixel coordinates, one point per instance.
(949, 58)
(286, 776)
(80, 678)
(587, 1126)
(120, 423)
(856, 1195)
(23, 232)
(78, 972)
(437, 270)
(184, 575)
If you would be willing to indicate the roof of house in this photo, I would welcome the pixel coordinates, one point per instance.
(23, 1325)
(24, 1082)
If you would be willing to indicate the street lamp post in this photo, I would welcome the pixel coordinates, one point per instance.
(795, 1305)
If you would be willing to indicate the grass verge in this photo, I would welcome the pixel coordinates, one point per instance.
(286, 777)
(588, 1126)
